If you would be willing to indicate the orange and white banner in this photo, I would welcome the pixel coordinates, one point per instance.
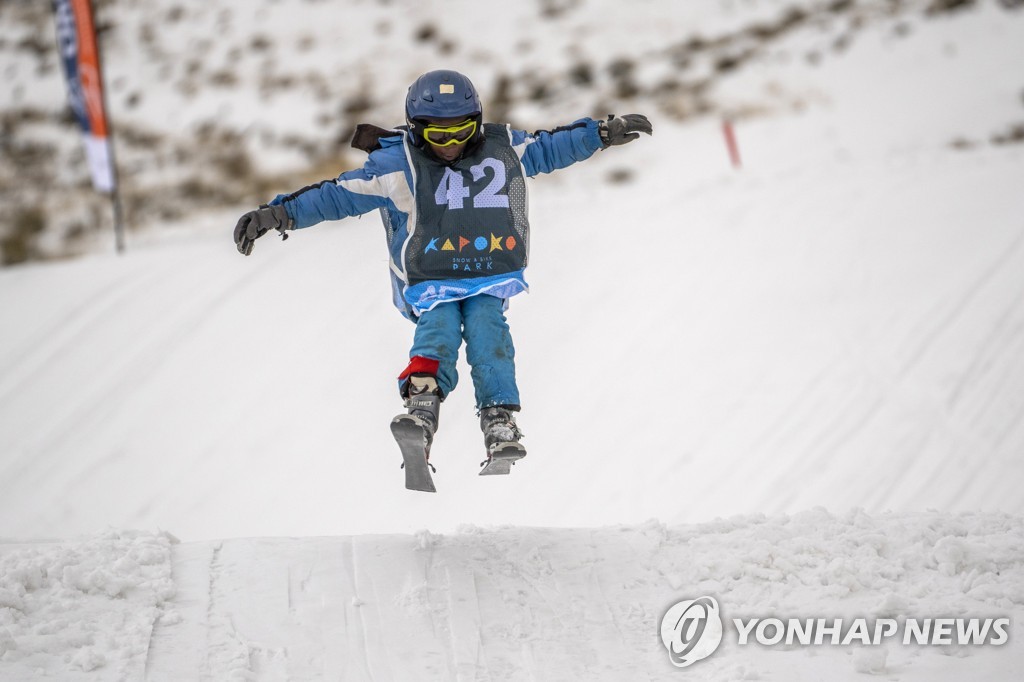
(76, 38)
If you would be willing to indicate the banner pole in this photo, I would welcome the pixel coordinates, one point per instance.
(115, 194)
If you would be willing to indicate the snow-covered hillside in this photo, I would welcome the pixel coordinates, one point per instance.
(228, 101)
(825, 349)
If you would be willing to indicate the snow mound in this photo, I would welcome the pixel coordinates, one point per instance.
(82, 609)
(507, 603)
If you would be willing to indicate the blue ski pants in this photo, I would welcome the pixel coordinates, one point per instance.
(480, 320)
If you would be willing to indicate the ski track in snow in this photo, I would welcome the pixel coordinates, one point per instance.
(976, 404)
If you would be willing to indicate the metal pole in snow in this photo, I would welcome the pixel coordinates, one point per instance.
(730, 142)
(115, 194)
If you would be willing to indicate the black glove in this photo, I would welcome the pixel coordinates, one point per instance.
(255, 224)
(616, 131)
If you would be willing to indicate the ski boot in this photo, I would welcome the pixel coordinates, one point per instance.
(414, 431)
(501, 438)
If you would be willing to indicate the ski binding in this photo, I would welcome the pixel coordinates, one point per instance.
(501, 459)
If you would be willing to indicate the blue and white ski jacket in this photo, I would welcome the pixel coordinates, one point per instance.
(387, 181)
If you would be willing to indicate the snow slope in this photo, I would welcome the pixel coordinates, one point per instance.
(837, 327)
(843, 334)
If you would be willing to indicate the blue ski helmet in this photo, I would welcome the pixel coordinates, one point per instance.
(441, 94)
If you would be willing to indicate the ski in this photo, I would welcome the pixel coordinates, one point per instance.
(411, 437)
(503, 456)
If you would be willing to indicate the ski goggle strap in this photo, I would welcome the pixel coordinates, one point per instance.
(443, 136)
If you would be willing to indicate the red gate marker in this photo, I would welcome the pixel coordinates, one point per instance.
(730, 142)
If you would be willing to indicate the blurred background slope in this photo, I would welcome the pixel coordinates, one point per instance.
(226, 102)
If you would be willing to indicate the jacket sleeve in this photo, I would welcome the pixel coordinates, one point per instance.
(353, 193)
(545, 151)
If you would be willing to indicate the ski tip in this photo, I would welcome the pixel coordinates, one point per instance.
(417, 477)
(421, 487)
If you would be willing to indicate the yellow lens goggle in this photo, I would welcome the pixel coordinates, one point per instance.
(444, 136)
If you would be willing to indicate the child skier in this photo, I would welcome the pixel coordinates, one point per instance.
(452, 195)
